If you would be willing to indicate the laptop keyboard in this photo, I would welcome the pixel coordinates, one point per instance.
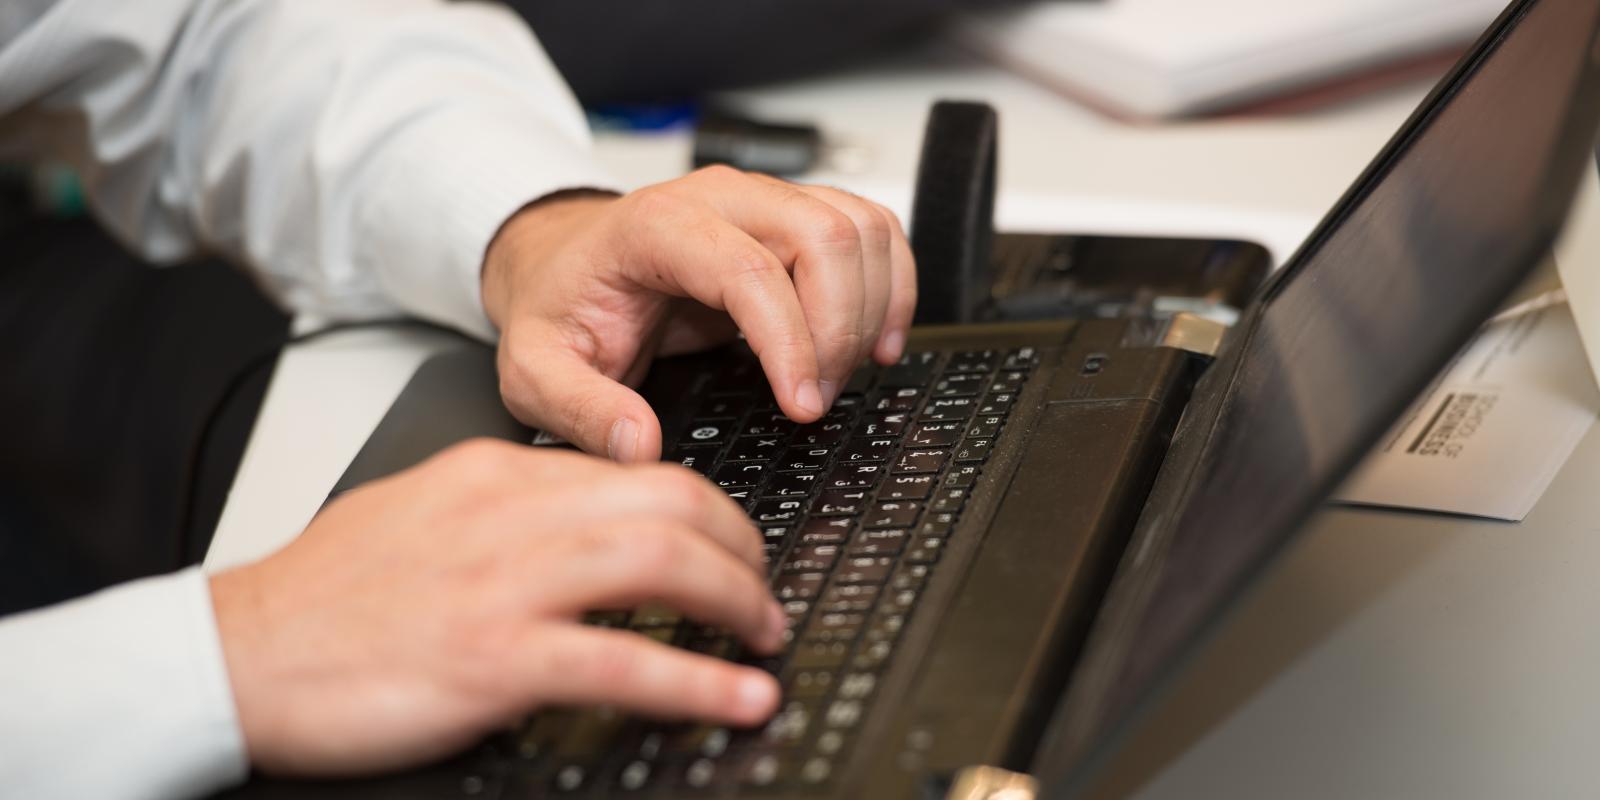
(854, 511)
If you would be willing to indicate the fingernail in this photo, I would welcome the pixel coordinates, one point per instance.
(758, 694)
(624, 440)
(830, 392)
(809, 398)
(895, 343)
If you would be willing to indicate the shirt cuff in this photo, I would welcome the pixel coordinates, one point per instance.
(123, 693)
(428, 229)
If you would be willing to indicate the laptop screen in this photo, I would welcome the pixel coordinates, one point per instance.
(1457, 210)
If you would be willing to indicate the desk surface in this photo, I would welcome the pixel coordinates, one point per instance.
(1390, 655)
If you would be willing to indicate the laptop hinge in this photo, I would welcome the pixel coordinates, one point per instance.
(992, 783)
(1194, 334)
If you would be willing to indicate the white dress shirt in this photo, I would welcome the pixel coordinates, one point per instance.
(357, 156)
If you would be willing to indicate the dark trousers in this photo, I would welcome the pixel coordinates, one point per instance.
(619, 50)
(126, 396)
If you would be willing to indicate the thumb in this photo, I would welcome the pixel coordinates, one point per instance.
(557, 391)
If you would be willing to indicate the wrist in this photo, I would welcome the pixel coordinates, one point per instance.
(524, 238)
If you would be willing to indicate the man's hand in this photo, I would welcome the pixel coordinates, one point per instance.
(587, 289)
(422, 611)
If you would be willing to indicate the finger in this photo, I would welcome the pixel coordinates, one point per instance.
(626, 562)
(902, 295)
(551, 386)
(672, 493)
(581, 666)
(875, 225)
(682, 247)
(824, 247)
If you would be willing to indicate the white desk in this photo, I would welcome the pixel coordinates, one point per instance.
(1391, 655)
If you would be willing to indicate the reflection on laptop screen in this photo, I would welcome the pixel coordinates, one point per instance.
(1353, 330)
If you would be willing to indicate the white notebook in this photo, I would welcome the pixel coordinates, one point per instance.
(1162, 58)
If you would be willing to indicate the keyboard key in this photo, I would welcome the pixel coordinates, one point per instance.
(967, 385)
(973, 361)
(706, 431)
(883, 425)
(866, 450)
(1008, 381)
(937, 525)
(872, 657)
(962, 476)
(821, 433)
(790, 484)
(570, 778)
(974, 450)
(894, 514)
(724, 407)
(634, 776)
(826, 530)
(857, 685)
(698, 459)
(842, 714)
(912, 370)
(858, 598)
(811, 684)
(776, 510)
(925, 550)
(997, 404)
(910, 577)
(819, 655)
(854, 476)
(755, 448)
(800, 586)
(768, 425)
(921, 461)
(788, 727)
(949, 408)
(803, 459)
(985, 427)
(880, 542)
(1021, 358)
(935, 434)
(869, 570)
(949, 500)
(840, 503)
(735, 476)
(894, 400)
(885, 627)
(811, 558)
(908, 487)
(834, 627)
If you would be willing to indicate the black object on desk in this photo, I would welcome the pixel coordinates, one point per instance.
(969, 273)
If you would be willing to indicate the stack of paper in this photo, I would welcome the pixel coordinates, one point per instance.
(1159, 58)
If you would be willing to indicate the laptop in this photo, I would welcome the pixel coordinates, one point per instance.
(997, 552)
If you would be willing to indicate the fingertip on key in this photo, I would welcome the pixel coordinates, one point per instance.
(808, 398)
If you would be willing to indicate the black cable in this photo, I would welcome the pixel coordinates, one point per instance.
(188, 536)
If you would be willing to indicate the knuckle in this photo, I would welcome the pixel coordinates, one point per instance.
(478, 460)
(874, 224)
(833, 229)
(717, 173)
(680, 487)
(656, 203)
(654, 550)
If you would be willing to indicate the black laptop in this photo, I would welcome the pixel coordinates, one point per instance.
(995, 552)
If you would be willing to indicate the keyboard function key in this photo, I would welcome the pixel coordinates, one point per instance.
(974, 450)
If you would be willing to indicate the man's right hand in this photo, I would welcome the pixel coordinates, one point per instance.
(422, 611)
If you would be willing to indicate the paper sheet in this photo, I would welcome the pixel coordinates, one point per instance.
(1493, 431)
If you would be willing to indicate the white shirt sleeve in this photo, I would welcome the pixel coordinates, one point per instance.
(121, 694)
(357, 155)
